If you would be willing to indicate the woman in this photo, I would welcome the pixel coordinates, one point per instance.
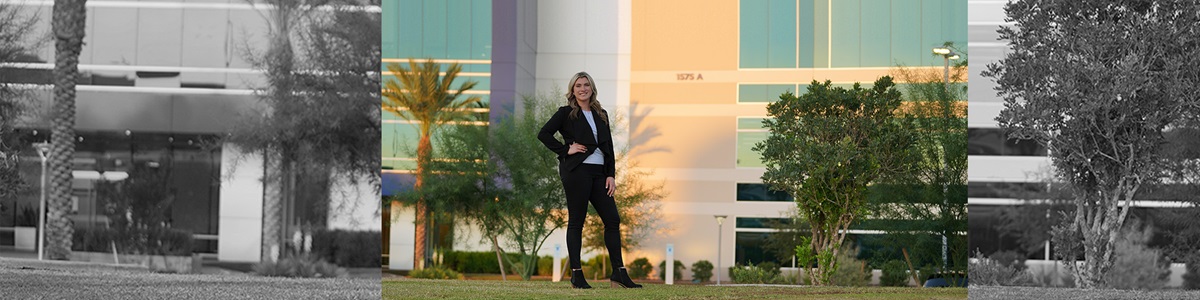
(587, 169)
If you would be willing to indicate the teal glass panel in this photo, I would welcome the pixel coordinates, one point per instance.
(876, 33)
(434, 21)
(781, 38)
(745, 123)
(746, 157)
(753, 34)
(399, 140)
(806, 43)
(821, 34)
(390, 28)
(409, 32)
(801, 89)
(481, 29)
(907, 48)
(458, 30)
(775, 90)
(956, 23)
(752, 93)
(931, 30)
(847, 34)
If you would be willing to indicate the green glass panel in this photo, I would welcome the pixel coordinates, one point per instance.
(847, 34)
(458, 30)
(907, 48)
(775, 90)
(745, 142)
(821, 34)
(781, 39)
(807, 27)
(753, 33)
(752, 93)
(745, 123)
(410, 33)
(932, 26)
(390, 28)
(481, 29)
(434, 22)
(876, 33)
(956, 23)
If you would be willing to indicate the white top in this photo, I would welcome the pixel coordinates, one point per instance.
(597, 158)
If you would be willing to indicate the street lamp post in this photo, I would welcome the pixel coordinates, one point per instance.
(43, 149)
(720, 220)
(947, 55)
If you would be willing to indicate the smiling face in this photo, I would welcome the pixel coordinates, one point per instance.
(582, 89)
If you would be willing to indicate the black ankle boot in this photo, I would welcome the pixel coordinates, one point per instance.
(577, 280)
(621, 276)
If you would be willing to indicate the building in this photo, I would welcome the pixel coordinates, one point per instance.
(161, 82)
(698, 72)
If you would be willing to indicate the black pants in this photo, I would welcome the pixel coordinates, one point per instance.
(584, 184)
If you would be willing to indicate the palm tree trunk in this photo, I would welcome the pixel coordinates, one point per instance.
(424, 150)
(272, 198)
(69, 17)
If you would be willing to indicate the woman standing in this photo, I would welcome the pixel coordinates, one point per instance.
(588, 169)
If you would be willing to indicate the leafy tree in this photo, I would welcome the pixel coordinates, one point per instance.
(421, 94)
(67, 23)
(925, 210)
(1098, 83)
(16, 41)
(322, 114)
(825, 148)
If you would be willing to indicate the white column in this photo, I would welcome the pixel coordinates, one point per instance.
(670, 265)
(239, 224)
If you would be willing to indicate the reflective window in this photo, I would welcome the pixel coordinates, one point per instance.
(759, 192)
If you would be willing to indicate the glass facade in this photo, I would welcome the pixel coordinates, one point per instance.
(847, 33)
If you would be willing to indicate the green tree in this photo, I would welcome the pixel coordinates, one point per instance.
(825, 148)
(419, 93)
(67, 24)
(925, 210)
(16, 41)
(1098, 83)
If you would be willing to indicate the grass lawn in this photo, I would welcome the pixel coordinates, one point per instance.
(405, 288)
(1016, 292)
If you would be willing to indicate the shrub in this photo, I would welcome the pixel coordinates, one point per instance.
(986, 271)
(702, 270)
(640, 268)
(304, 265)
(756, 275)
(475, 262)
(1137, 267)
(149, 241)
(1010, 259)
(27, 217)
(895, 273)
(352, 249)
(545, 266)
(850, 271)
(438, 272)
(1191, 279)
(662, 269)
(597, 267)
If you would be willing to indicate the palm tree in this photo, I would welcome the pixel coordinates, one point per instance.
(68, 21)
(420, 94)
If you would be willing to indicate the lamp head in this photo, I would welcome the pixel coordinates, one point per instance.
(941, 50)
(720, 219)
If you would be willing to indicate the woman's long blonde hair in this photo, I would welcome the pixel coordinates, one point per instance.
(593, 103)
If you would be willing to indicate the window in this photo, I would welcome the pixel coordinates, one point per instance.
(759, 192)
(438, 29)
(749, 132)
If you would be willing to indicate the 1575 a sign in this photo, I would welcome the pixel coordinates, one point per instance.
(689, 76)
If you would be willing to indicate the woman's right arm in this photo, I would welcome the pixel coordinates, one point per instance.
(546, 135)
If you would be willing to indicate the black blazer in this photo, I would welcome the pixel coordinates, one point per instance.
(578, 131)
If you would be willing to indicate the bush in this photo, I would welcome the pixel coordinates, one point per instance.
(27, 217)
(850, 271)
(597, 267)
(351, 249)
(438, 272)
(304, 265)
(1010, 259)
(756, 275)
(662, 270)
(148, 241)
(702, 271)
(475, 262)
(640, 268)
(1137, 268)
(895, 273)
(545, 266)
(1191, 279)
(986, 271)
